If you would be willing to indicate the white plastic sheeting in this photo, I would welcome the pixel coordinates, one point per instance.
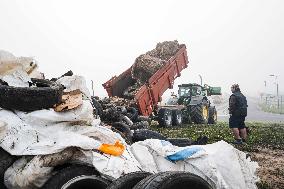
(220, 164)
(18, 78)
(46, 131)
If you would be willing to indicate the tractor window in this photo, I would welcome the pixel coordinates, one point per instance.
(196, 90)
(184, 92)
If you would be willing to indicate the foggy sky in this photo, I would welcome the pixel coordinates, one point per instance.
(228, 41)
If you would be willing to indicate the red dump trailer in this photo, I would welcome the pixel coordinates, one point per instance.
(150, 94)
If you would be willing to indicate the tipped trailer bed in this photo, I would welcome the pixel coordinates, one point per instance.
(149, 95)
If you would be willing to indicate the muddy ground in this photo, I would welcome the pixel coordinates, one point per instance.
(271, 167)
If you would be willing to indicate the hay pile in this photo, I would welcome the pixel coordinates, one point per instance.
(146, 65)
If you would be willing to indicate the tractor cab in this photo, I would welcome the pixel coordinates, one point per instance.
(189, 90)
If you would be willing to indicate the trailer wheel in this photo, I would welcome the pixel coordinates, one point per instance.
(77, 176)
(199, 113)
(212, 115)
(45, 95)
(165, 117)
(168, 180)
(6, 160)
(176, 117)
(143, 134)
(128, 181)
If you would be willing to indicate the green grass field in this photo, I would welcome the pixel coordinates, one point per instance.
(261, 134)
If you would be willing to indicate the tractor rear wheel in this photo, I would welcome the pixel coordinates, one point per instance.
(199, 113)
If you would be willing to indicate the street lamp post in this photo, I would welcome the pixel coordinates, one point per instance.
(277, 89)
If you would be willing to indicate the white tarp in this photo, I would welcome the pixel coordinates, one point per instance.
(220, 163)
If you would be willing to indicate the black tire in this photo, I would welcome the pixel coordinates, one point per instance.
(176, 117)
(169, 180)
(202, 140)
(180, 142)
(186, 119)
(77, 176)
(165, 117)
(143, 134)
(128, 181)
(124, 129)
(132, 113)
(196, 113)
(97, 106)
(140, 125)
(212, 115)
(45, 95)
(144, 118)
(6, 160)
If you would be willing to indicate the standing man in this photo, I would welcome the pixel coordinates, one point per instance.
(238, 112)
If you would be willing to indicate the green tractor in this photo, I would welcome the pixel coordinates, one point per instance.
(197, 107)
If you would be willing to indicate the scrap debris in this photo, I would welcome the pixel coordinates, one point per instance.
(70, 100)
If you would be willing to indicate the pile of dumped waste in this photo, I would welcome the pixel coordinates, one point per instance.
(51, 136)
(146, 65)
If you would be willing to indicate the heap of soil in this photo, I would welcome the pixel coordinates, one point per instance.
(146, 65)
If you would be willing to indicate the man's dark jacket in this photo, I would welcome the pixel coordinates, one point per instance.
(238, 104)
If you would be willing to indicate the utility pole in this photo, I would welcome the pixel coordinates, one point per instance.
(277, 90)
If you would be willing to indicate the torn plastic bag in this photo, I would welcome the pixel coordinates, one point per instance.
(72, 83)
(112, 149)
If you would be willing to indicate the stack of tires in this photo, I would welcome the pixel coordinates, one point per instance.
(75, 177)
(162, 180)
